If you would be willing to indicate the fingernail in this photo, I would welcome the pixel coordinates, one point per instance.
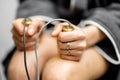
(30, 31)
(54, 34)
(57, 30)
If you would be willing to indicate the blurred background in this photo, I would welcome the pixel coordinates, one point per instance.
(7, 15)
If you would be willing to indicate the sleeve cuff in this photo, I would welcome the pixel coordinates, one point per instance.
(105, 55)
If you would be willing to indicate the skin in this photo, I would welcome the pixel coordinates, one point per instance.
(83, 54)
(90, 67)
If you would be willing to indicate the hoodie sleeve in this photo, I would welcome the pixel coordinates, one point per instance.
(36, 7)
(107, 20)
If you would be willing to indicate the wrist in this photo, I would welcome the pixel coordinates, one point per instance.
(93, 35)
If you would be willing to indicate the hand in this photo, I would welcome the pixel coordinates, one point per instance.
(31, 33)
(70, 44)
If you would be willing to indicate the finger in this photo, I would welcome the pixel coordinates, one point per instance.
(71, 58)
(35, 26)
(27, 48)
(28, 38)
(17, 44)
(76, 53)
(57, 30)
(77, 45)
(17, 24)
(16, 35)
(20, 37)
(28, 45)
(31, 38)
(71, 36)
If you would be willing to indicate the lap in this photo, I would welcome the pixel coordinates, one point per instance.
(90, 67)
(91, 62)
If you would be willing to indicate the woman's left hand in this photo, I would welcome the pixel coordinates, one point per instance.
(70, 44)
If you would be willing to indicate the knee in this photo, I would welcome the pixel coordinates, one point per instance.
(59, 69)
(16, 69)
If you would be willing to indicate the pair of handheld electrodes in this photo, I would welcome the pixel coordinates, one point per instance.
(26, 22)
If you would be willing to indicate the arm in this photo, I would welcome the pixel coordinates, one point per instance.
(107, 20)
(93, 35)
(35, 9)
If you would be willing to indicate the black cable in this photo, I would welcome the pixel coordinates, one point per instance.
(24, 43)
(35, 46)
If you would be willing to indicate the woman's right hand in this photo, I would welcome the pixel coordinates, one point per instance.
(31, 33)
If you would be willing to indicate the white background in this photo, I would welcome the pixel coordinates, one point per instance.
(7, 15)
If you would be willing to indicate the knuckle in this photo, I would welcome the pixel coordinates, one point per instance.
(19, 44)
(82, 46)
(59, 46)
(14, 38)
(21, 33)
(21, 39)
(81, 36)
(61, 37)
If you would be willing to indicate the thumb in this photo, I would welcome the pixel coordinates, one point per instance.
(57, 30)
(34, 27)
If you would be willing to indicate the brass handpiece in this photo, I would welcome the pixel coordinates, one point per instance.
(67, 28)
(28, 22)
